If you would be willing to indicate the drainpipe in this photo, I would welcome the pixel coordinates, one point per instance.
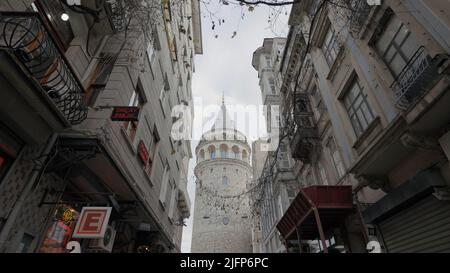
(32, 184)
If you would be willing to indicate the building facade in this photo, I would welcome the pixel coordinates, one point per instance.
(276, 179)
(62, 151)
(259, 156)
(222, 220)
(366, 89)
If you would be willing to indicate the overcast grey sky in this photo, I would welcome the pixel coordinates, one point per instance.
(226, 68)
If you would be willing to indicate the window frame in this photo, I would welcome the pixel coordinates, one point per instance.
(358, 107)
(331, 46)
(393, 44)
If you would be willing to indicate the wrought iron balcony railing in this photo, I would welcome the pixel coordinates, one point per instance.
(419, 74)
(28, 38)
(119, 14)
(359, 14)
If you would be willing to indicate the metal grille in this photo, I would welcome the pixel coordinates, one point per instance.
(359, 12)
(29, 39)
(419, 73)
(120, 15)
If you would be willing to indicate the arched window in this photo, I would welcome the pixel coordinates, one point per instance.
(223, 151)
(212, 152)
(244, 155)
(225, 181)
(236, 152)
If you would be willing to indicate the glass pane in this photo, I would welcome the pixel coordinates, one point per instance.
(410, 47)
(362, 119)
(390, 54)
(356, 126)
(367, 113)
(401, 35)
(397, 65)
(388, 35)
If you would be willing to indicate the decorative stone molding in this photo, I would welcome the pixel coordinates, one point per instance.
(421, 142)
(374, 182)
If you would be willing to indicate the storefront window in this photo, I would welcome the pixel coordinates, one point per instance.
(60, 230)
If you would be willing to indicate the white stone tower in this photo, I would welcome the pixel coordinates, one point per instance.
(222, 223)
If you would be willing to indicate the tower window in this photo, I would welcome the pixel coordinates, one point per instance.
(226, 220)
(225, 181)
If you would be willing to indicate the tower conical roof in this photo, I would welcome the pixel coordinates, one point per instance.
(223, 120)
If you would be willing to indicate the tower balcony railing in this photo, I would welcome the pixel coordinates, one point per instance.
(419, 74)
(29, 39)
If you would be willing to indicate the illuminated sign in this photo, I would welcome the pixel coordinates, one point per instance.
(92, 222)
(125, 114)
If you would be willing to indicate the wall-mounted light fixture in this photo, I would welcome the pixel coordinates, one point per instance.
(65, 17)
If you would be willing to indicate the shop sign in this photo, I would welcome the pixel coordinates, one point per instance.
(143, 153)
(92, 223)
(125, 114)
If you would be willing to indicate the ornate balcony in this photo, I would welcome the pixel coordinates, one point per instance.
(359, 14)
(27, 37)
(419, 74)
(306, 133)
(118, 14)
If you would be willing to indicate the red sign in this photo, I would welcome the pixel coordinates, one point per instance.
(143, 153)
(92, 222)
(125, 114)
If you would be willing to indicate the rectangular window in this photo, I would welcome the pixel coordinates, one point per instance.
(132, 126)
(25, 244)
(280, 206)
(284, 157)
(291, 194)
(151, 53)
(323, 174)
(272, 86)
(396, 45)
(358, 108)
(154, 141)
(337, 159)
(164, 95)
(164, 184)
(173, 201)
(330, 46)
(268, 61)
(310, 181)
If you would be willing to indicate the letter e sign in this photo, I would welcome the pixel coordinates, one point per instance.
(92, 222)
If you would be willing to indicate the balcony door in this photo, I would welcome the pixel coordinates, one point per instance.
(397, 45)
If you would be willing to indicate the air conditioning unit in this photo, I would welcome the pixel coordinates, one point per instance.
(106, 243)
